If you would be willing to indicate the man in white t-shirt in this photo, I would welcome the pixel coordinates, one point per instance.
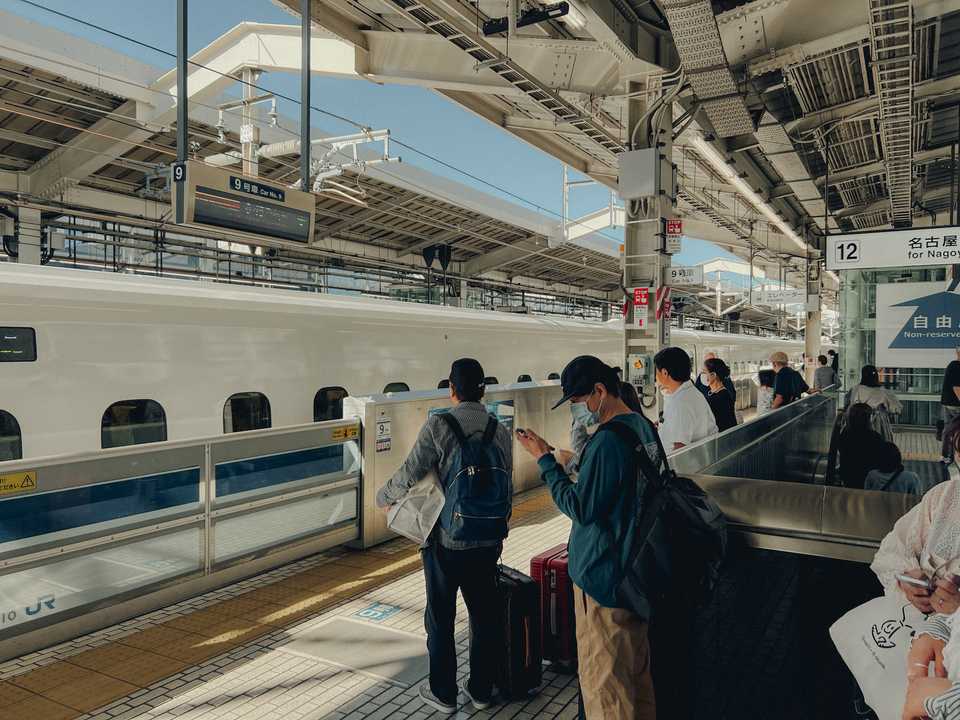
(687, 417)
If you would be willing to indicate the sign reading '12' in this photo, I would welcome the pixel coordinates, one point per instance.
(911, 247)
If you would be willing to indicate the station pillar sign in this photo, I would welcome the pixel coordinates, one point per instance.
(671, 243)
(641, 308)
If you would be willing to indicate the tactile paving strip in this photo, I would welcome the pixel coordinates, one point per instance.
(117, 672)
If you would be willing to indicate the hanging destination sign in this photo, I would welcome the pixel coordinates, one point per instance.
(911, 247)
(692, 275)
(786, 296)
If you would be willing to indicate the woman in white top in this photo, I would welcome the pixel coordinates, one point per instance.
(882, 401)
(925, 544)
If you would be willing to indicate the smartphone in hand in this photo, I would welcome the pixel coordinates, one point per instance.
(916, 582)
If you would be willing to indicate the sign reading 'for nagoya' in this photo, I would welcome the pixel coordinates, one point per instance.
(894, 248)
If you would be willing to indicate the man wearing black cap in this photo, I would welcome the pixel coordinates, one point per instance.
(612, 644)
(450, 563)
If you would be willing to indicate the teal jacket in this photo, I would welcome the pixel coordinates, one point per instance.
(602, 505)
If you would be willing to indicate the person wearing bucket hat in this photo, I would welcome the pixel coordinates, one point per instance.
(612, 641)
(789, 385)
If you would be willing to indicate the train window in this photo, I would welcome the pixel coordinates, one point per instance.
(396, 387)
(553, 376)
(133, 422)
(491, 380)
(246, 411)
(18, 344)
(524, 378)
(328, 403)
(443, 384)
(11, 447)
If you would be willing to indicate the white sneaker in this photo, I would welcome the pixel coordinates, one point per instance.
(477, 704)
(426, 694)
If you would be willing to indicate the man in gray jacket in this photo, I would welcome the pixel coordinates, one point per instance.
(450, 564)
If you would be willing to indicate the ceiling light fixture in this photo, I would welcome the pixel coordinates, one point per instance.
(575, 18)
(716, 160)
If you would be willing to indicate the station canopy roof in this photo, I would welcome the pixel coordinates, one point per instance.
(72, 136)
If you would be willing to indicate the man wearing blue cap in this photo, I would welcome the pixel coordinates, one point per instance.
(612, 641)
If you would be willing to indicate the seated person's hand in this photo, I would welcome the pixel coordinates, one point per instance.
(923, 651)
(917, 596)
(946, 596)
(919, 690)
(563, 456)
(533, 443)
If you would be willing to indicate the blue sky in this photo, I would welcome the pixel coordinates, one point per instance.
(417, 116)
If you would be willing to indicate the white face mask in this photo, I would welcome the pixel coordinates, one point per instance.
(704, 378)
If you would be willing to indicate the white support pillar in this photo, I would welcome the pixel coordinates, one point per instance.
(28, 246)
(249, 132)
(644, 262)
(814, 327)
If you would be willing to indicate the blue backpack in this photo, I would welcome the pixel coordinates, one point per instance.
(476, 488)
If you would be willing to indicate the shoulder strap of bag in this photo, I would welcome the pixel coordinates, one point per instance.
(893, 477)
(455, 428)
(632, 440)
(490, 430)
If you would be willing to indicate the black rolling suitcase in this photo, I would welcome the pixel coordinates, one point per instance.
(521, 669)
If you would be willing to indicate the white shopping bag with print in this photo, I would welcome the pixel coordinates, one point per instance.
(873, 640)
(415, 515)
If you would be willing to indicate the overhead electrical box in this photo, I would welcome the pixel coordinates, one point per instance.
(637, 177)
(218, 198)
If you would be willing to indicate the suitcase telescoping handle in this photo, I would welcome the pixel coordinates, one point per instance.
(527, 644)
(554, 622)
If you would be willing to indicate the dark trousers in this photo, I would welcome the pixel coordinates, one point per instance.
(473, 572)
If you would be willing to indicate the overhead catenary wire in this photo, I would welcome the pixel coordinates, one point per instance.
(354, 123)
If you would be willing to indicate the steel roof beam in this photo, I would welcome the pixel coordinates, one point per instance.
(496, 259)
(776, 33)
(942, 89)
(432, 18)
(877, 168)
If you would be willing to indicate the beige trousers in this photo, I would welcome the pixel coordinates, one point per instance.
(614, 656)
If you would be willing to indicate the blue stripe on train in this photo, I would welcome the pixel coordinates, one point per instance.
(33, 515)
(255, 473)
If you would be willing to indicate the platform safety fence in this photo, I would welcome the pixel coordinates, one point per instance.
(85, 532)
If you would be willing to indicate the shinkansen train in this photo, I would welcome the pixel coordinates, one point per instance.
(91, 360)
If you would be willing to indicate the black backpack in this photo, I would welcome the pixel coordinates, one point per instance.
(681, 536)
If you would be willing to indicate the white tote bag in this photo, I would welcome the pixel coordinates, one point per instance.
(873, 640)
(415, 515)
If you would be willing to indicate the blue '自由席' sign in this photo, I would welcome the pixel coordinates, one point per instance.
(935, 324)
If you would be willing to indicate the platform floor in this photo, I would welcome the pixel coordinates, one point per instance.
(917, 444)
(256, 650)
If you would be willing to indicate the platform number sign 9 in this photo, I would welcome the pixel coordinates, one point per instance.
(847, 251)
(179, 172)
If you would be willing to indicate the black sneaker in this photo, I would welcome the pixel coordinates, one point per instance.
(476, 702)
(426, 694)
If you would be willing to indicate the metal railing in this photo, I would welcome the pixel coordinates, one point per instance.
(770, 446)
(685, 321)
(89, 531)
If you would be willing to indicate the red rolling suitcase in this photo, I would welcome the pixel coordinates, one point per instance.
(549, 569)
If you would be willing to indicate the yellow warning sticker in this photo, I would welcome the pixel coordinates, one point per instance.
(346, 433)
(18, 482)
